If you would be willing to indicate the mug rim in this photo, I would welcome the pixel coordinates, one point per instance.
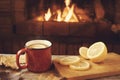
(43, 41)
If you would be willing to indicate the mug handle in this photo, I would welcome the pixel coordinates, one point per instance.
(22, 51)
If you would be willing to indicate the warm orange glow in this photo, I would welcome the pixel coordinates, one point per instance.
(48, 15)
(40, 18)
(68, 14)
(59, 18)
(67, 2)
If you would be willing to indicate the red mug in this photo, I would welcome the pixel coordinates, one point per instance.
(38, 55)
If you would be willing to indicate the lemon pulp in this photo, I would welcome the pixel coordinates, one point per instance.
(97, 52)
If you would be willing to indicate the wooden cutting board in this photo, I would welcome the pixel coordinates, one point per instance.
(110, 66)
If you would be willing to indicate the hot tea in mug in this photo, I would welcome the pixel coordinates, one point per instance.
(38, 55)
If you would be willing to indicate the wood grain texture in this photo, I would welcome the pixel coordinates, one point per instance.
(110, 66)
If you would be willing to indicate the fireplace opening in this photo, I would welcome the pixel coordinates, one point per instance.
(70, 10)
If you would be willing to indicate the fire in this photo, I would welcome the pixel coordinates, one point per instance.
(59, 18)
(67, 15)
(67, 2)
(48, 15)
(70, 15)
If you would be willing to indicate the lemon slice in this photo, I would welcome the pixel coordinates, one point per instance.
(82, 65)
(69, 60)
(57, 59)
(83, 52)
(97, 52)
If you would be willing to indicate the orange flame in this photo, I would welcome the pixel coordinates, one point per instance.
(48, 15)
(59, 18)
(67, 15)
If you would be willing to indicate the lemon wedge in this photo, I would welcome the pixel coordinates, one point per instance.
(83, 52)
(97, 52)
(82, 65)
(69, 60)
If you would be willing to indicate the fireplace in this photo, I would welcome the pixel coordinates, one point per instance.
(90, 21)
(59, 10)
